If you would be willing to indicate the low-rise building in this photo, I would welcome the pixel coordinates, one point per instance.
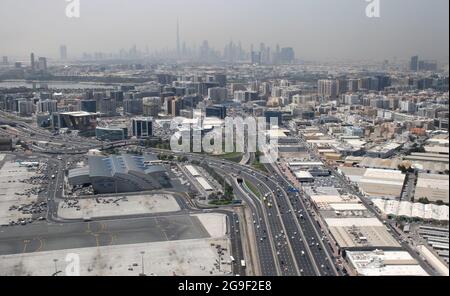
(384, 263)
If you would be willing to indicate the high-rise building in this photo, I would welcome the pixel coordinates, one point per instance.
(133, 106)
(327, 88)
(178, 40)
(24, 107)
(365, 83)
(42, 64)
(5, 60)
(408, 106)
(88, 106)
(107, 106)
(142, 127)
(239, 96)
(151, 106)
(414, 64)
(204, 51)
(287, 55)
(217, 94)
(352, 85)
(47, 106)
(221, 79)
(177, 105)
(63, 52)
(256, 57)
(32, 63)
(342, 86)
(117, 96)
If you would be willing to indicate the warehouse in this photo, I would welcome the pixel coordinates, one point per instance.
(384, 263)
(432, 187)
(324, 202)
(360, 234)
(394, 208)
(376, 182)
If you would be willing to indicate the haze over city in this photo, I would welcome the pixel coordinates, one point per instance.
(316, 29)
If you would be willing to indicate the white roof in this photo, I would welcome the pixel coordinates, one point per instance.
(327, 198)
(192, 170)
(306, 163)
(303, 175)
(349, 222)
(412, 210)
(204, 184)
(347, 206)
(385, 263)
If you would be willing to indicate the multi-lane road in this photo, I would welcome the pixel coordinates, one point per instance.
(285, 228)
(287, 240)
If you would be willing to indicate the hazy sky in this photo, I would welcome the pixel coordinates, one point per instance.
(317, 29)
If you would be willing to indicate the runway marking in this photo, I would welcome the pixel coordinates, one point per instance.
(96, 239)
(26, 242)
(41, 241)
(162, 230)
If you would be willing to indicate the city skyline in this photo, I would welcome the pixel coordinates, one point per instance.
(291, 24)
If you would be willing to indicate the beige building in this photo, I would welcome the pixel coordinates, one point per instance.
(433, 187)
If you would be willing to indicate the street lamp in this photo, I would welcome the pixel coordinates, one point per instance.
(56, 267)
(142, 263)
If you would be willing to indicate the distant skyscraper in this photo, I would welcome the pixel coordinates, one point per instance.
(256, 57)
(63, 52)
(204, 51)
(33, 64)
(414, 64)
(5, 60)
(43, 64)
(178, 39)
(287, 55)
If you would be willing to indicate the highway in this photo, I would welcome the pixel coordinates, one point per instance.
(299, 245)
(287, 239)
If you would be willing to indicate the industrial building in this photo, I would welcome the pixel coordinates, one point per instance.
(438, 239)
(376, 182)
(384, 263)
(406, 209)
(121, 173)
(360, 234)
(429, 162)
(432, 187)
